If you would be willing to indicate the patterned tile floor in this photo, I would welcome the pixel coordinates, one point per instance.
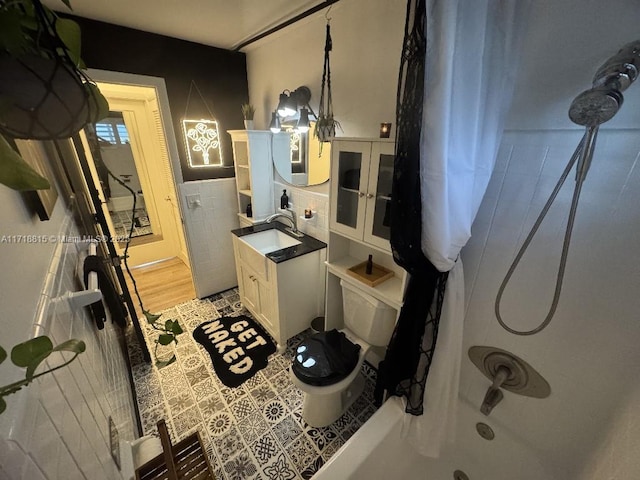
(255, 431)
(122, 223)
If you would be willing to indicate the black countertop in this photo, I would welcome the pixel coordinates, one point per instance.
(308, 244)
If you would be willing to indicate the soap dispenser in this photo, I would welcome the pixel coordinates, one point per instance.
(249, 211)
(284, 200)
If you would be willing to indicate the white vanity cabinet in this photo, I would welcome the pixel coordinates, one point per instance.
(283, 296)
(361, 179)
(253, 159)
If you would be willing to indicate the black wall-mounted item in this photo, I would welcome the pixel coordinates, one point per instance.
(221, 76)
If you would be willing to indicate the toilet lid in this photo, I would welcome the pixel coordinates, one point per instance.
(325, 358)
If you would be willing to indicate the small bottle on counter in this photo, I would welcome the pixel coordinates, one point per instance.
(284, 200)
(369, 268)
(249, 210)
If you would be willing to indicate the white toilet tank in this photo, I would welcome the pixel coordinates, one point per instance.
(367, 317)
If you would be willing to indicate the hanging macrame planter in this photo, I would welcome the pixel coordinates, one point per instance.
(45, 96)
(326, 125)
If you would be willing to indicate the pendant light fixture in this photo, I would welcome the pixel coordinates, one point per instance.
(274, 126)
(303, 121)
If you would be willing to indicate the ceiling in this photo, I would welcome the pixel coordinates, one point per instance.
(219, 23)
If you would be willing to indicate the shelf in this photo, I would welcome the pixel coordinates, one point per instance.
(243, 216)
(389, 291)
(245, 192)
(313, 218)
(242, 166)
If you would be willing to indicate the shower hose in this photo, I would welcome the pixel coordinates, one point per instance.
(584, 152)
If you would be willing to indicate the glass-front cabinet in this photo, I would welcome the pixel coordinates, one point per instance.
(361, 176)
(360, 224)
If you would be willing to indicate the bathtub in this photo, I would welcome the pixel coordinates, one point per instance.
(377, 451)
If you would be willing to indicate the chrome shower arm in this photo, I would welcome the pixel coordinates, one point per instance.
(620, 70)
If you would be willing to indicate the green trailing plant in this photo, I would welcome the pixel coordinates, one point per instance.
(30, 355)
(44, 93)
(168, 329)
(248, 111)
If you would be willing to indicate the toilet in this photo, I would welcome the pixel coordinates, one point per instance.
(326, 366)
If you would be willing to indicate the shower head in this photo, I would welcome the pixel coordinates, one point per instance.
(599, 104)
(595, 106)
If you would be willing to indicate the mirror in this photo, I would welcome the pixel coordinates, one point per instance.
(116, 153)
(307, 163)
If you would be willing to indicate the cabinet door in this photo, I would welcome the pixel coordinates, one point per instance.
(377, 229)
(349, 178)
(268, 316)
(249, 291)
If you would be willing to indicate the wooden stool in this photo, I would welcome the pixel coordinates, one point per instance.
(187, 460)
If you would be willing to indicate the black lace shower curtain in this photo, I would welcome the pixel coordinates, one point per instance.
(404, 370)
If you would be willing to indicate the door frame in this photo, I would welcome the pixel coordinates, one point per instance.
(159, 85)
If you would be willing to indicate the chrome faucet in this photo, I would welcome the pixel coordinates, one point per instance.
(494, 394)
(292, 218)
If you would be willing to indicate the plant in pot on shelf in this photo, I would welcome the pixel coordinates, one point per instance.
(44, 93)
(248, 111)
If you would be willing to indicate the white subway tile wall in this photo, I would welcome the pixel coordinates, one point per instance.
(618, 457)
(57, 428)
(301, 199)
(595, 331)
(208, 227)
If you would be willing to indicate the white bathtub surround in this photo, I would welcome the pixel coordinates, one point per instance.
(463, 119)
(378, 450)
(58, 427)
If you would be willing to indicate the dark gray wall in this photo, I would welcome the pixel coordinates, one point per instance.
(220, 75)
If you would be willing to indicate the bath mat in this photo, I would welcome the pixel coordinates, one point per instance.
(238, 346)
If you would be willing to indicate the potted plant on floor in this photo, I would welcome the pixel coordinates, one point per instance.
(44, 93)
(248, 111)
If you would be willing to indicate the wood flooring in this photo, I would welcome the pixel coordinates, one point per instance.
(161, 285)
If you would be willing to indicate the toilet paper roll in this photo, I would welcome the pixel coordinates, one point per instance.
(146, 450)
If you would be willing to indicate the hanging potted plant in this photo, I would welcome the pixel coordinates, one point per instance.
(44, 94)
(248, 111)
(326, 125)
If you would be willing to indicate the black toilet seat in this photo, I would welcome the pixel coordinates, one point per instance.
(325, 358)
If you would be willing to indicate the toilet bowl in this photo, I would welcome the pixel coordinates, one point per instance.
(326, 366)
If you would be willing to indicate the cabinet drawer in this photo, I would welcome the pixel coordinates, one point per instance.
(253, 259)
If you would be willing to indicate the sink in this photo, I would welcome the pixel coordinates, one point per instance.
(269, 241)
